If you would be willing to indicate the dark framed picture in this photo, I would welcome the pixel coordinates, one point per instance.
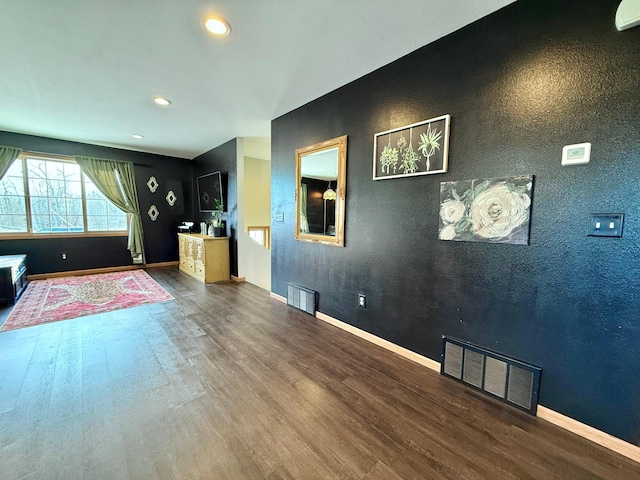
(209, 190)
(418, 149)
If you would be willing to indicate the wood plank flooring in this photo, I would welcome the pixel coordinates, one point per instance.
(226, 383)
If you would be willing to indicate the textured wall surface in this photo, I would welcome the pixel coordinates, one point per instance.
(519, 85)
(223, 159)
(160, 237)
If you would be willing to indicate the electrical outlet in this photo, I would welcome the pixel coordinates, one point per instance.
(64, 256)
(362, 300)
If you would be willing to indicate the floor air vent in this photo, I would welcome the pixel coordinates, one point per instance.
(504, 378)
(301, 298)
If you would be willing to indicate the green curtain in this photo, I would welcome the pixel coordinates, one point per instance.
(304, 223)
(116, 182)
(7, 156)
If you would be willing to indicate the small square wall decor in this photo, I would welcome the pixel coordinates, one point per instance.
(418, 149)
(496, 210)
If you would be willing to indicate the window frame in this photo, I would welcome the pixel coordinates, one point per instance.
(27, 198)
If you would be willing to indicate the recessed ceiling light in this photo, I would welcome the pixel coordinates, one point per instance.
(161, 101)
(217, 25)
(137, 135)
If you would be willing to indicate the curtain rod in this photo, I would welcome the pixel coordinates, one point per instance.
(33, 153)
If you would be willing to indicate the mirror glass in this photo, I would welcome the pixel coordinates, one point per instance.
(320, 192)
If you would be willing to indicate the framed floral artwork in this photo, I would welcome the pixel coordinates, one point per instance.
(418, 149)
(496, 210)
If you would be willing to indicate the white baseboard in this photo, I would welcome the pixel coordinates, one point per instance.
(280, 298)
(598, 436)
(593, 434)
(95, 271)
(90, 271)
(381, 342)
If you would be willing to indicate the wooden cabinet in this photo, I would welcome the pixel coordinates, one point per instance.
(205, 258)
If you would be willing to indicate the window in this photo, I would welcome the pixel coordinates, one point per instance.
(42, 195)
(261, 235)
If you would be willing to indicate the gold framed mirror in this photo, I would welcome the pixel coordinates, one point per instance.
(321, 172)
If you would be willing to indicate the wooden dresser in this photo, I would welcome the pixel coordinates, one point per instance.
(203, 257)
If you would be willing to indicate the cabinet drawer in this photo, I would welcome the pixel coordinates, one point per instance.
(200, 269)
(198, 251)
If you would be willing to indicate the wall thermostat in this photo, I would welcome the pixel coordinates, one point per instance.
(576, 154)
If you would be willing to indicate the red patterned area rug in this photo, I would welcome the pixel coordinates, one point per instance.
(56, 299)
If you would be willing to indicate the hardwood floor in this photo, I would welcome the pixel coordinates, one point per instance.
(226, 383)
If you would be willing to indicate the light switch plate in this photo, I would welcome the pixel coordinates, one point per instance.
(576, 154)
(279, 216)
(605, 225)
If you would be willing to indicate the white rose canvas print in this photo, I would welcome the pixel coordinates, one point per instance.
(496, 210)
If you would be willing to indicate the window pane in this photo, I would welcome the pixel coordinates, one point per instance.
(10, 205)
(74, 206)
(36, 169)
(102, 215)
(38, 187)
(55, 170)
(58, 223)
(15, 170)
(39, 206)
(113, 210)
(118, 223)
(41, 223)
(12, 186)
(13, 223)
(56, 188)
(96, 207)
(91, 191)
(57, 207)
(72, 172)
(97, 223)
(258, 236)
(76, 223)
(74, 190)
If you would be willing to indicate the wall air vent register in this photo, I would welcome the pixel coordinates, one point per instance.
(301, 298)
(504, 378)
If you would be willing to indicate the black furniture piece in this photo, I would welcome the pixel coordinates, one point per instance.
(13, 277)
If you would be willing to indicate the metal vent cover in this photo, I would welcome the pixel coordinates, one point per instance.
(507, 379)
(301, 298)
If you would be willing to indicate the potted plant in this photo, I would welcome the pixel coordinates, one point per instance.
(218, 224)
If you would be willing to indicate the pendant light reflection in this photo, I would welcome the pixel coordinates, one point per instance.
(329, 194)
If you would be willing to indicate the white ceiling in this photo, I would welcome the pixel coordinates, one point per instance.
(86, 70)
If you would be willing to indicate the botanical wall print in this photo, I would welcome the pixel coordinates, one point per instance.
(153, 184)
(171, 198)
(153, 213)
(418, 149)
(486, 210)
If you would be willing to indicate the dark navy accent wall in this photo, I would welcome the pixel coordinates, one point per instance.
(161, 244)
(223, 159)
(519, 85)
